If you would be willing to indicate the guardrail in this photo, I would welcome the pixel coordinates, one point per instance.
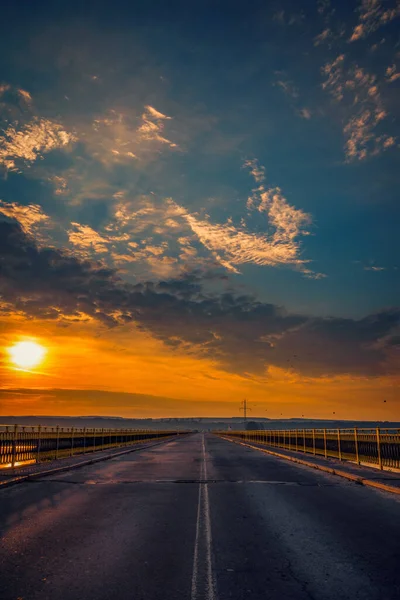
(378, 447)
(25, 444)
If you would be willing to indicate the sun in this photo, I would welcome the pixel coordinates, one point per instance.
(27, 355)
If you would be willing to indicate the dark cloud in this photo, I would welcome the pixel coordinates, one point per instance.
(239, 332)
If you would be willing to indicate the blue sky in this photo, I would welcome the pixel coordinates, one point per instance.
(254, 145)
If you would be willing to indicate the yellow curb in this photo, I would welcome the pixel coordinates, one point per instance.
(349, 476)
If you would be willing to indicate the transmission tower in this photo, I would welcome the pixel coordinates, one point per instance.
(244, 408)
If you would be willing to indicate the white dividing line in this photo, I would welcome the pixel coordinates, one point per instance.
(203, 583)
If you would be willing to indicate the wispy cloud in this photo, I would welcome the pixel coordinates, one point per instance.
(334, 74)
(30, 142)
(374, 268)
(234, 245)
(288, 87)
(152, 127)
(392, 74)
(359, 92)
(362, 137)
(257, 171)
(372, 15)
(322, 37)
(122, 137)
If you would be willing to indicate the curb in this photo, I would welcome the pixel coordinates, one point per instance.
(349, 476)
(84, 463)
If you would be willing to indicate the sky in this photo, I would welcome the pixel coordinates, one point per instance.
(199, 204)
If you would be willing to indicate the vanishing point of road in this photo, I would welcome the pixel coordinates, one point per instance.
(198, 518)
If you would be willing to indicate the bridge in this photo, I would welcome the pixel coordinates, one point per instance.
(198, 516)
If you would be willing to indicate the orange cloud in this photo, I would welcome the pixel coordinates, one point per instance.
(29, 216)
(373, 15)
(31, 141)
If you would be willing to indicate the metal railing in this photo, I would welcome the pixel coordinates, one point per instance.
(377, 447)
(25, 444)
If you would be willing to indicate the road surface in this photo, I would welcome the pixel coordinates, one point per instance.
(143, 527)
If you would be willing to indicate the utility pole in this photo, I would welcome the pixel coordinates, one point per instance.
(243, 407)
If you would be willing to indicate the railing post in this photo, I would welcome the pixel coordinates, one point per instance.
(304, 441)
(14, 446)
(84, 440)
(38, 444)
(356, 445)
(313, 440)
(57, 440)
(325, 448)
(339, 446)
(102, 438)
(378, 446)
(72, 441)
(297, 445)
(290, 439)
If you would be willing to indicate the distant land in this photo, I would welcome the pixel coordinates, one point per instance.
(197, 423)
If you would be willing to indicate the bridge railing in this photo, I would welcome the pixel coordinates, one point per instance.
(25, 444)
(378, 447)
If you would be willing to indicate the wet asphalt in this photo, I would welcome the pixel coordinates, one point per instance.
(198, 518)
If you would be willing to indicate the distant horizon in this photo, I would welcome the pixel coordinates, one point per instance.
(213, 419)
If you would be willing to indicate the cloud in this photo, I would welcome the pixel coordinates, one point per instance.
(154, 114)
(238, 332)
(359, 93)
(257, 171)
(29, 217)
(305, 113)
(27, 144)
(233, 246)
(360, 130)
(60, 185)
(322, 37)
(288, 87)
(334, 73)
(148, 218)
(121, 136)
(391, 74)
(143, 236)
(84, 237)
(373, 14)
(374, 268)
(152, 127)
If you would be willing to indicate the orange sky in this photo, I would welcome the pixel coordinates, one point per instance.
(82, 357)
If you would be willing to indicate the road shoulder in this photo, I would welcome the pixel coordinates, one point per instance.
(367, 476)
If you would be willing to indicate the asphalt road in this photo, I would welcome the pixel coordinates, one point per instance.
(142, 527)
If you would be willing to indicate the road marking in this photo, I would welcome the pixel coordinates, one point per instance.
(203, 583)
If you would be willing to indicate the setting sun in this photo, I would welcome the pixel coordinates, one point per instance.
(27, 355)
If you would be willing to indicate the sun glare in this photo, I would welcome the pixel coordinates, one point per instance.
(27, 355)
